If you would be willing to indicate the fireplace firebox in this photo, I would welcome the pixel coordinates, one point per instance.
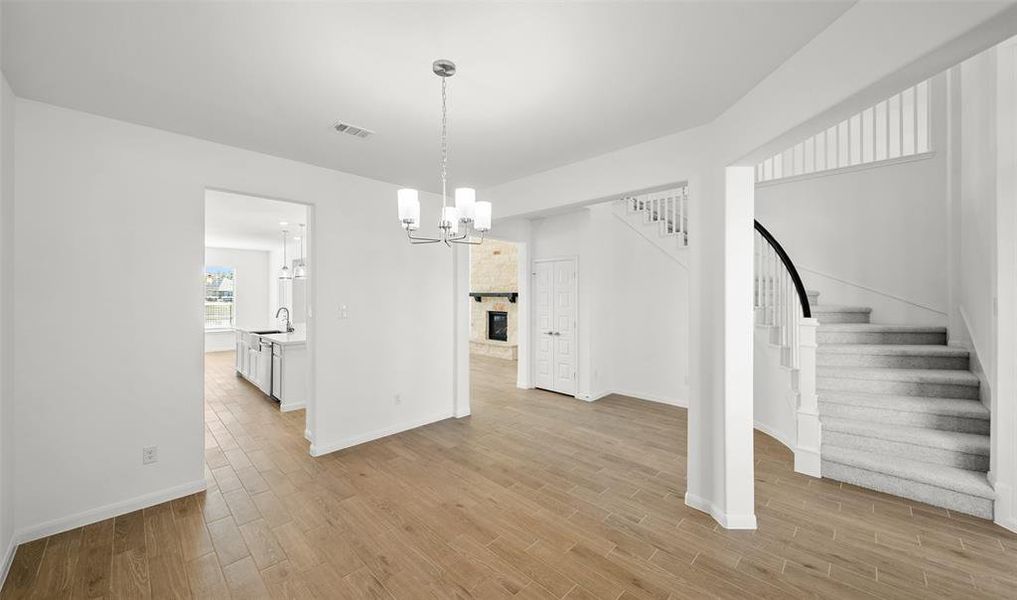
(497, 325)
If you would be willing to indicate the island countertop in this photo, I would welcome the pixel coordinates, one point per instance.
(287, 339)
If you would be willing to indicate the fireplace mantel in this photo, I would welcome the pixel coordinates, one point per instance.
(479, 296)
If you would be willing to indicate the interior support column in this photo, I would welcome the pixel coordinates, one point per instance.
(720, 452)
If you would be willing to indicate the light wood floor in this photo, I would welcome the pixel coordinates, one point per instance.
(534, 496)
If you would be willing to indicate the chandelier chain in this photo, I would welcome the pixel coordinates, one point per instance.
(444, 143)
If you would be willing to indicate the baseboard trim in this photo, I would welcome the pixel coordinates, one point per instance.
(307, 435)
(1004, 511)
(115, 509)
(786, 441)
(681, 402)
(727, 521)
(356, 440)
(872, 290)
(291, 407)
(5, 568)
(462, 413)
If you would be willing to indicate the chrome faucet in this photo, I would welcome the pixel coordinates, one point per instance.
(289, 326)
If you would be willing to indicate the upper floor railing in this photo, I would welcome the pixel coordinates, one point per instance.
(894, 128)
(668, 208)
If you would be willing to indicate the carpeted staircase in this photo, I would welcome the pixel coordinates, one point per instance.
(900, 411)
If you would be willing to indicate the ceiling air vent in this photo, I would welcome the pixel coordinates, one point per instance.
(347, 129)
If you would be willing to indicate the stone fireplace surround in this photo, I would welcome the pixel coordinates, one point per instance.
(494, 267)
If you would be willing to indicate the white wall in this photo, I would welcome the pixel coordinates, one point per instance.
(874, 236)
(974, 211)
(7, 116)
(253, 286)
(774, 406)
(97, 198)
(633, 306)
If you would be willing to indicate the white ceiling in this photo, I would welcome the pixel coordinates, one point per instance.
(539, 84)
(249, 223)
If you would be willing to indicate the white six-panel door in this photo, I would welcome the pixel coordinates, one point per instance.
(555, 355)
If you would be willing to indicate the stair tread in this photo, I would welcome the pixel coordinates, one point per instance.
(839, 308)
(881, 328)
(973, 483)
(948, 376)
(969, 443)
(894, 350)
(954, 407)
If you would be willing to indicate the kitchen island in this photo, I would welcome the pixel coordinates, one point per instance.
(275, 362)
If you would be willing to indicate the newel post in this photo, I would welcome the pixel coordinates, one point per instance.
(809, 429)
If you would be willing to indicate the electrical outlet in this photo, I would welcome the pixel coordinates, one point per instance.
(149, 455)
(398, 399)
(344, 313)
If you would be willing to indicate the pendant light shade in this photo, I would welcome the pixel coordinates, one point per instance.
(450, 219)
(482, 216)
(284, 273)
(300, 271)
(409, 208)
(466, 199)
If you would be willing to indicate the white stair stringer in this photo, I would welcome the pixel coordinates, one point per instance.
(900, 411)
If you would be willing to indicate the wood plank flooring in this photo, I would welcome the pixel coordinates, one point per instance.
(536, 496)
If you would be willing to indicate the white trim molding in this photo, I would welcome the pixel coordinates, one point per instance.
(5, 568)
(115, 509)
(1005, 511)
(370, 436)
(727, 521)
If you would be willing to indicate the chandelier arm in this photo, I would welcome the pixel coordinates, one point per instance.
(421, 239)
(464, 239)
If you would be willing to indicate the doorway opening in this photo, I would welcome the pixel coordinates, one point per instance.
(495, 314)
(256, 305)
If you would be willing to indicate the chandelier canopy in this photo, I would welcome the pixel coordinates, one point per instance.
(457, 224)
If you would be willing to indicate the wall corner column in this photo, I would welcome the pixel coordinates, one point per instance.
(721, 468)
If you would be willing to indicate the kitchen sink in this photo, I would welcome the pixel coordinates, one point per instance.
(266, 332)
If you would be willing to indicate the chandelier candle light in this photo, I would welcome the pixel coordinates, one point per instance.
(456, 224)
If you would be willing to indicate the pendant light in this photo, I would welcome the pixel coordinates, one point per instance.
(300, 271)
(284, 273)
(456, 224)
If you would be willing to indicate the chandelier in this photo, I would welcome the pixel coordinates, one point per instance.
(456, 224)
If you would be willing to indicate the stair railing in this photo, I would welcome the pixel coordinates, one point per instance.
(781, 301)
(669, 208)
(782, 305)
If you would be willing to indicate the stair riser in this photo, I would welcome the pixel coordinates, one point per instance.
(907, 419)
(888, 484)
(879, 337)
(841, 317)
(889, 361)
(938, 456)
(902, 388)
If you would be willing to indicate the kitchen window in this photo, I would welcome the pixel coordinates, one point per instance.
(220, 298)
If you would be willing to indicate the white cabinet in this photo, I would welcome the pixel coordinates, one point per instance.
(277, 364)
(290, 372)
(264, 358)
